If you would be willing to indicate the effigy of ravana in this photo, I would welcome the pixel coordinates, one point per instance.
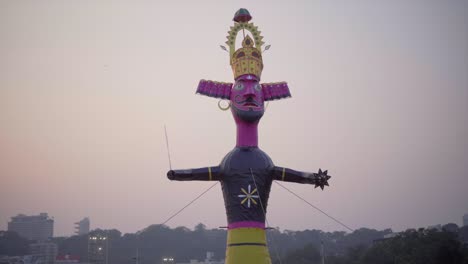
(246, 173)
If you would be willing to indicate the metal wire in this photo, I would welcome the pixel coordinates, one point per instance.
(316, 208)
(266, 220)
(167, 146)
(191, 202)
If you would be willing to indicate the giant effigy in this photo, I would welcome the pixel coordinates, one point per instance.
(246, 173)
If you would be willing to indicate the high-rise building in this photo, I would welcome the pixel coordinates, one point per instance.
(26, 259)
(35, 227)
(465, 220)
(67, 259)
(82, 227)
(98, 249)
(47, 251)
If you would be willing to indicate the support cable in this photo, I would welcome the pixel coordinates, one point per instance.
(266, 220)
(315, 207)
(167, 146)
(191, 202)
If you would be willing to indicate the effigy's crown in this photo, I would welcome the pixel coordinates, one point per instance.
(248, 58)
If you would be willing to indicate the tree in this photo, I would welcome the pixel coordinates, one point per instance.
(417, 247)
(451, 227)
(307, 255)
(463, 234)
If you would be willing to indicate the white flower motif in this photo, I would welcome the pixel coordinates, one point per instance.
(248, 196)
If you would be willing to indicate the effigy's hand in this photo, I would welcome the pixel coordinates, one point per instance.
(321, 179)
(197, 174)
(171, 175)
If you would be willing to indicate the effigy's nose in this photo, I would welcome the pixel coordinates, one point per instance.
(249, 91)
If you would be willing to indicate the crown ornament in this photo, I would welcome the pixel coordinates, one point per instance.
(248, 58)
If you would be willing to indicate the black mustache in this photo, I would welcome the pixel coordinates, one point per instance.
(248, 100)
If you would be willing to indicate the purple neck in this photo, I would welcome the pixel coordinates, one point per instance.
(247, 134)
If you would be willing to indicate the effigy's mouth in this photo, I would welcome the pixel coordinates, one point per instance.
(254, 104)
(248, 102)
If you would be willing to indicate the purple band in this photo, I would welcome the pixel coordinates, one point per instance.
(244, 224)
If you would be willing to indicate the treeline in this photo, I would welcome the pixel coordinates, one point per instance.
(153, 243)
(422, 246)
(359, 247)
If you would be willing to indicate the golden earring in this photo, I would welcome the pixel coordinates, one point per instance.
(224, 108)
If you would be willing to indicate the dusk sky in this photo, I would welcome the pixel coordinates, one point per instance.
(379, 98)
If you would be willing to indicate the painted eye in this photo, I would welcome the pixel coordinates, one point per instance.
(258, 87)
(239, 86)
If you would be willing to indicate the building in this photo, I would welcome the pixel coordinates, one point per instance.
(465, 220)
(209, 260)
(82, 227)
(47, 251)
(98, 249)
(437, 227)
(35, 227)
(66, 259)
(391, 235)
(385, 237)
(28, 259)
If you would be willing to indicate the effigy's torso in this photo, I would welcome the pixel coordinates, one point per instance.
(246, 182)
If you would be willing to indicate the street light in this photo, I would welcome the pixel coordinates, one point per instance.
(168, 260)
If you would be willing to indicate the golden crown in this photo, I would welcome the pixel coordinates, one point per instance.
(248, 59)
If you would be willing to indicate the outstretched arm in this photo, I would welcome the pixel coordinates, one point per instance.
(320, 179)
(201, 174)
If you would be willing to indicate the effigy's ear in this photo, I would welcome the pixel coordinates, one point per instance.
(215, 89)
(275, 91)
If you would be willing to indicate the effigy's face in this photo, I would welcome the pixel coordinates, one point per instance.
(247, 101)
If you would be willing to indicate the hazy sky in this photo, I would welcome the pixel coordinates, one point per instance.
(380, 99)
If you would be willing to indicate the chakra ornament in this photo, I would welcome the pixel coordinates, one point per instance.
(246, 172)
(248, 196)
